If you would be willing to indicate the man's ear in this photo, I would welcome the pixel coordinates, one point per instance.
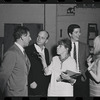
(21, 37)
(70, 34)
(67, 49)
(46, 41)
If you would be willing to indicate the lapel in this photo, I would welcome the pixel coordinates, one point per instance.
(45, 52)
(23, 57)
(34, 52)
(79, 51)
(80, 54)
(27, 61)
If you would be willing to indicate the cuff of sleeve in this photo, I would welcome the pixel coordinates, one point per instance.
(73, 82)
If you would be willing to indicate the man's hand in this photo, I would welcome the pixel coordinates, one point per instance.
(33, 85)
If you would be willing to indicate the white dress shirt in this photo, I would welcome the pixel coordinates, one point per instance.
(39, 50)
(72, 52)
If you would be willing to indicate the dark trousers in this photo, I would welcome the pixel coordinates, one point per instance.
(37, 92)
(81, 88)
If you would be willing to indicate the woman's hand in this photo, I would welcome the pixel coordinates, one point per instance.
(65, 76)
(89, 59)
(42, 57)
(68, 78)
(90, 66)
(90, 63)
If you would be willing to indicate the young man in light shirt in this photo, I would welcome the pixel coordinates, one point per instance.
(81, 87)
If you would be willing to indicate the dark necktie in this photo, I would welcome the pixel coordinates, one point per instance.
(75, 52)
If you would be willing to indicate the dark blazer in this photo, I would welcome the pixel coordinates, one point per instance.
(82, 85)
(36, 72)
(83, 54)
(13, 73)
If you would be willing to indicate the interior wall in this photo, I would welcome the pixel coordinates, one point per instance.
(82, 16)
(20, 13)
(30, 13)
(51, 17)
(50, 26)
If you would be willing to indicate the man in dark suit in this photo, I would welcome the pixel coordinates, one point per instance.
(37, 81)
(79, 52)
(15, 66)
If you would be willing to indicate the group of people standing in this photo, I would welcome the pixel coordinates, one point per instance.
(27, 71)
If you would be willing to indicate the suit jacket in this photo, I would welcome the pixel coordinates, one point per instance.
(36, 72)
(13, 73)
(81, 87)
(83, 54)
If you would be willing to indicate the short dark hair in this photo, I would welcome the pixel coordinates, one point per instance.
(19, 31)
(72, 27)
(67, 43)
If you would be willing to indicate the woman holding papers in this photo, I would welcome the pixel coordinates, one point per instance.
(61, 84)
(94, 69)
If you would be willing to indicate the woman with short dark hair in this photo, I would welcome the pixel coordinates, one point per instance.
(61, 84)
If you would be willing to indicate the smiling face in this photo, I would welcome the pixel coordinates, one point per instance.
(75, 34)
(42, 38)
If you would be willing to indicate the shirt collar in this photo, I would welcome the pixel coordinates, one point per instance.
(20, 47)
(38, 48)
(75, 42)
